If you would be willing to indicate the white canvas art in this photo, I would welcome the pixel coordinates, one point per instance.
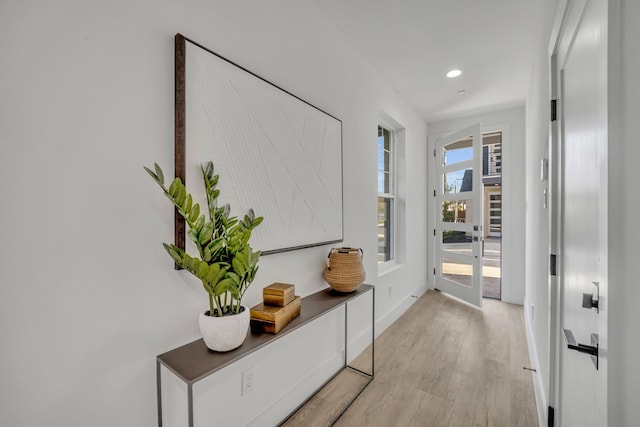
(274, 153)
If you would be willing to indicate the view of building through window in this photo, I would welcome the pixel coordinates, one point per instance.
(460, 181)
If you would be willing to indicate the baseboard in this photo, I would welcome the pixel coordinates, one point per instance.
(420, 290)
(396, 311)
(541, 398)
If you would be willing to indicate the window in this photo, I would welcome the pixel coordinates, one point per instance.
(386, 195)
(492, 159)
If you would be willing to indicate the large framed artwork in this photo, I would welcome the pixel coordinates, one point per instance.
(273, 151)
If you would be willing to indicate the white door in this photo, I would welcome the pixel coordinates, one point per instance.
(458, 204)
(581, 61)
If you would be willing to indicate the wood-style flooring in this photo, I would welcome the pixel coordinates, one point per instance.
(442, 363)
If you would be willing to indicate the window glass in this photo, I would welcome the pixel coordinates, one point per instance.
(386, 195)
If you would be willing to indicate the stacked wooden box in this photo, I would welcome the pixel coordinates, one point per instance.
(279, 307)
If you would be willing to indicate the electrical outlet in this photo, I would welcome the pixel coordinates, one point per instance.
(248, 380)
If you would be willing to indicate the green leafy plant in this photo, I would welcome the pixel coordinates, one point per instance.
(226, 264)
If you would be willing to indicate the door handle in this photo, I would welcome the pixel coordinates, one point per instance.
(591, 350)
(477, 235)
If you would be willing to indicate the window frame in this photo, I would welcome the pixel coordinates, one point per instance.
(391, 195)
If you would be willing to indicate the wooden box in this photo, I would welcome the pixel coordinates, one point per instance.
(271, 319)
(278, 294)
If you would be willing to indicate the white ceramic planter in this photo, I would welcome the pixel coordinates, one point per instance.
(224, 333)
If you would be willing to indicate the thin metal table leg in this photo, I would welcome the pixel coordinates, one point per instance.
(346, 327)
(369, 376)
(159, 392)
(190, 403)
(373, 332)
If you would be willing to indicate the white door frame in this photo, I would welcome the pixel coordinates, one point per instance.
(555, 213)
(555, 210)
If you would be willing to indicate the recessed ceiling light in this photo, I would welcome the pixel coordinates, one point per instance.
(454, 73)
(462, 92)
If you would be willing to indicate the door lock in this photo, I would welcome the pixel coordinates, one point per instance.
(588, 301)
(591, 350)
(591, 300)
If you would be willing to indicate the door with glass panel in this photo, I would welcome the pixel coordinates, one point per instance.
(458, 225)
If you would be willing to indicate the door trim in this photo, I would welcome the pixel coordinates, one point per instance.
(561, 26)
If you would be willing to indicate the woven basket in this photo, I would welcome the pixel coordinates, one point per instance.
(344, 271)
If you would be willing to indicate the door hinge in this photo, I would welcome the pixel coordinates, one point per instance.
(434, 193)
(434, 152)
(434, 231)
(552, 265)
(550, 417)
(434, 271)
(554, 110)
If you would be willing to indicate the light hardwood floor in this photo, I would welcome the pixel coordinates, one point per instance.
(443, 363)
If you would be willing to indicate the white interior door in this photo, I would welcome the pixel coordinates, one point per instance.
(458, 205)
(582, 77)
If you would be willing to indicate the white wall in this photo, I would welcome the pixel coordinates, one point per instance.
(537, 218)
(88, 296)
(511, 122)
(399, 282)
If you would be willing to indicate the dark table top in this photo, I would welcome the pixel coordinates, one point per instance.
(194, 361)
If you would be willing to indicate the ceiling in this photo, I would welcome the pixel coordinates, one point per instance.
(413, 43)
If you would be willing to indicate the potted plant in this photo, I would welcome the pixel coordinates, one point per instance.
(226, 264)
